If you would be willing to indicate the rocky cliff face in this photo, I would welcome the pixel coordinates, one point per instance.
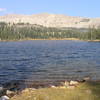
(52, 20)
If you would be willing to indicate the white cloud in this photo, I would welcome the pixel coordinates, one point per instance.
(2, 9)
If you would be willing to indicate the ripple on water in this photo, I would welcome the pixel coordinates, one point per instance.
(49, 60)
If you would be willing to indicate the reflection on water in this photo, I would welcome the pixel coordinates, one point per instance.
(49, 60)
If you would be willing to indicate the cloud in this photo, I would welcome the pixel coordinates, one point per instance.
(2, 9)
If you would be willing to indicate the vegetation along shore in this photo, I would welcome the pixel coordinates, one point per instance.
(82, 91)
(66, 90)
(21, 31)
(73, 90)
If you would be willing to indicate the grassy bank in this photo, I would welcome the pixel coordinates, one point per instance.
(42, 39)
(74, 39)
(84, 91)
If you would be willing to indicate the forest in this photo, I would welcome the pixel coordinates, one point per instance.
(19, 31)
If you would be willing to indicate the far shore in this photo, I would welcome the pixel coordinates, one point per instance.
(74, 39)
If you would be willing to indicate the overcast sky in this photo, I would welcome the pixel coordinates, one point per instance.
(84, 8)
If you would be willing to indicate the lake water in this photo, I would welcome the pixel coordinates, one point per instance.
(49, 60)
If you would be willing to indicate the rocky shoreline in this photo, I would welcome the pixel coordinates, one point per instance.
(8, 90)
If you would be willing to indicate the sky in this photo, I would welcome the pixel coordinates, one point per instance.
(83, 8)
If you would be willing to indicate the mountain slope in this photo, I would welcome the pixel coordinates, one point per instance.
(52, 20)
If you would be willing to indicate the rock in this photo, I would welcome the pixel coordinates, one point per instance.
(81, 81)
(10, 93)
(74, 83)
(66, 83)
(52, 86)
(28, 90)
(4, 98)
(71, 87)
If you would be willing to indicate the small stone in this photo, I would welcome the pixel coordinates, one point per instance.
(71, 87)
(73, 83)
(66, 83)
(52, 86)
(4, 98)
(10, 93)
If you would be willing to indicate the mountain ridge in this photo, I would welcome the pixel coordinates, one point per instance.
(52, 20)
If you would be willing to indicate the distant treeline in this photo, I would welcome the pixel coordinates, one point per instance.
(20, 31)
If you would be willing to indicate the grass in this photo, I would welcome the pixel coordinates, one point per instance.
(84, 91)
(77, 39)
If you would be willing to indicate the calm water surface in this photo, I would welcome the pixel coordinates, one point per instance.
(49, 60)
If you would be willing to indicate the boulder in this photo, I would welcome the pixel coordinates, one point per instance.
(4, 98)
(74, 83)
(52, 86)
(10, 93)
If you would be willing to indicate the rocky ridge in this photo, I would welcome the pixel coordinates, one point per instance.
(52, 20)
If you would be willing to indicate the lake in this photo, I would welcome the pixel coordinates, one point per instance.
(49, 60)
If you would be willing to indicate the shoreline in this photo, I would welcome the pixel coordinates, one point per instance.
(20, 85)
(74, 39)
(88, 87)
(12, 91)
